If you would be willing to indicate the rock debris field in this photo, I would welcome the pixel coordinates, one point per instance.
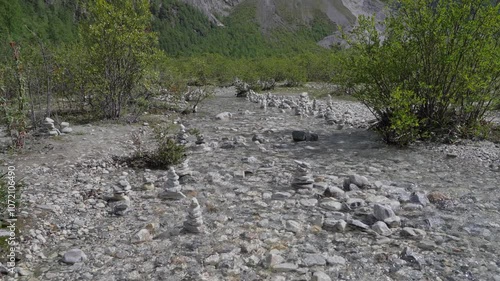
(253, 204)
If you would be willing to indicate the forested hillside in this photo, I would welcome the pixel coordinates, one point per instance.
(183, 30)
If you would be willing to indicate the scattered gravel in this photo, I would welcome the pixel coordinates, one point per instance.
(344, 207)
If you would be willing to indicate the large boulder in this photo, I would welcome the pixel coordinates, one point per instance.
(304, 136)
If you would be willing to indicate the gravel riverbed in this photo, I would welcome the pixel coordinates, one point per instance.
(344, 207)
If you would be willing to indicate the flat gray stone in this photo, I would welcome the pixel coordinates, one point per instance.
(281, 195)
(285, 267)
(272, 260)
(314, 260)
(381, 228)
(333, 191)
(224, 116)
(419, 197)
(320, 276)
(413, 233)
(293, 226)
(74, 256)
(382, 212)
(335, 260)
(359, 181)
(308, 202)
(393, 222)
(331, 205)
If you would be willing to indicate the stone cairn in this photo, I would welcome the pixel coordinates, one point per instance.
(121, 199)
(200, 139)
(51, 128)
(65, 128)
(194, 220)
(182, 135)
(303, 178)
(149, 181)
(184, 169)
(172, 187)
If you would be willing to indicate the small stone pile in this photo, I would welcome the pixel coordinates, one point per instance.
(200, 139)
(182, 135)
(263, 104)
(303, 178)
(65, 128)
(194, 220)
(121, 200)
(51, 128)
(185, 173)
(149, 181)
(172, 187)
(184, 169)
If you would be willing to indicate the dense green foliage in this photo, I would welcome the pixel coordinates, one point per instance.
(21, 20)
(120, 50)
(436, 73)
(185, 31)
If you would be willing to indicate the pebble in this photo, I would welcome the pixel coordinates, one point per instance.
(314, 260)
(285, 267)
(382, 212)
(74, 256)
(413, 233)
(381, 228)
(320, 276)
(336, 260)
(331, 205)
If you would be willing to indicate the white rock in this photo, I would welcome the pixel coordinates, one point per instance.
(224, 116)
(73, 256)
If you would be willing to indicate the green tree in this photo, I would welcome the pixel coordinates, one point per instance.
(442, 55)
(121, 47)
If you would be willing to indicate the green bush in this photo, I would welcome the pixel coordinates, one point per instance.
(166, 153)
(435, 74)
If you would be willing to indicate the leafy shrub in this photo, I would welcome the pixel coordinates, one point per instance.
(436, 72)
(166, 153)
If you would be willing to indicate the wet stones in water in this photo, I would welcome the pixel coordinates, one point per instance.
(303, 178)
(194, 221)
(304, 136)
(172, 187)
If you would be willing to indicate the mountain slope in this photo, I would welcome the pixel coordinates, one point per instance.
(290, 14)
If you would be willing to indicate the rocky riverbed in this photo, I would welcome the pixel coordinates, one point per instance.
(344, 207)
